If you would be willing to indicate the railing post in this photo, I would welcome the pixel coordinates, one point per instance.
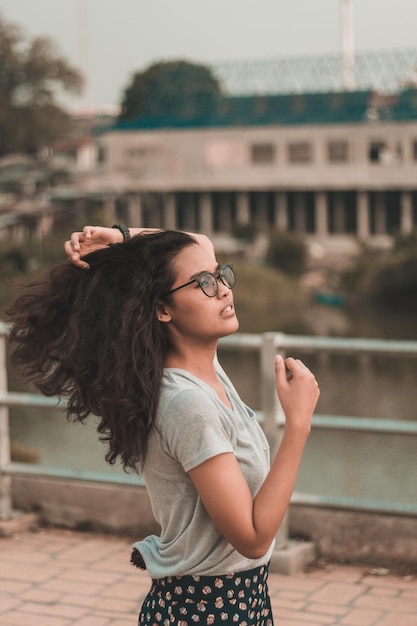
(5, 480)
(272, 411)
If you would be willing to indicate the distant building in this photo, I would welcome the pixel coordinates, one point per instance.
(324, 164)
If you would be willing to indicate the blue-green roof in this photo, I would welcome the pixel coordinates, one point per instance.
(288, 109)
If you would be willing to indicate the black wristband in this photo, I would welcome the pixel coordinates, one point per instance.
(124, 230)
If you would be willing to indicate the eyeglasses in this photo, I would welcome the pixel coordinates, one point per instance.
(208, 282)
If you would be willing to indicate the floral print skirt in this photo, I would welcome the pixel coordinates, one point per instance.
(240, 599)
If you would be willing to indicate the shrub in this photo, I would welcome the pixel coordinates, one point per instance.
(246, 232)
(287, 252)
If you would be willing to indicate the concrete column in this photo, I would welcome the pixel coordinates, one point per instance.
(242, 206)
(406, 217)
(110, 208)
(274, 420)
(225, 214)
(134, 210)
(299, 213)
(362, 214)
(205, 213)
(380, 214)
(169, 220)
(189, 213)
(5, 480)
(262, 209)
(339, 214)
(322, 222)
(281, 210)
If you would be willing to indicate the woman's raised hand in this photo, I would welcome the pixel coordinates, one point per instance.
(88, 240)
(298, 393)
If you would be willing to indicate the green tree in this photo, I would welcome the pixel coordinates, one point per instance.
(175, 89)
(287, 252)
(32, 73)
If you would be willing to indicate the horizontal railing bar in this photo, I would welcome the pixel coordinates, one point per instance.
(334, 344)
(53, 471)
(344, 422)
(342, 344)
(17, 398)
(345, 502)
(372, 424)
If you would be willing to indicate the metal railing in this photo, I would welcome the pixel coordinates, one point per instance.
(270, 415)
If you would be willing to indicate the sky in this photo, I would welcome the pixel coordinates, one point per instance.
(110, 40)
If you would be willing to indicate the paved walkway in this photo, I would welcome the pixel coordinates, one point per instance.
(62, 578)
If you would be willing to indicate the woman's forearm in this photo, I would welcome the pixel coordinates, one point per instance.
(272, 500)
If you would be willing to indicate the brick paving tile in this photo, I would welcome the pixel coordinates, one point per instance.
(388, 604)
(7, 604)
(94, 620)
(313, 618)
(329, 609)
(95, 576)
(27, 573)
(66, 586)
(301, 582)
(362, 618)
(396, 619)
(11, 586)
(337, 593)
(40, 596)
(17, 618)
(384, 591)
(60, 609)
(347, 574)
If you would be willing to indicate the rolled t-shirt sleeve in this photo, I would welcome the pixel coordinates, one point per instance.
(193, 430)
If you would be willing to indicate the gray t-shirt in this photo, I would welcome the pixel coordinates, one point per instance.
(193, 425)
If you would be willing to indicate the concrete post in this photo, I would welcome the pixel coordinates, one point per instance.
(169, 221)
(205, 213)
(242, 204)
(225, 214)
(299, 212)
(273, 414)
(339, 214)
(110, 208)
(5, 480)
(322, 222)
(134, 210)
(262, 209)
(380, 214)
(281, 210)
(362, 212)
(406, 219)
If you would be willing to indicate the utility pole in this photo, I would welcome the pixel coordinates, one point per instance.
(348, 45)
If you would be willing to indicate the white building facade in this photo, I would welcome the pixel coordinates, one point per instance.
(322, 179)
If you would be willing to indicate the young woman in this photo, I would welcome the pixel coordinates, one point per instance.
(129, 332)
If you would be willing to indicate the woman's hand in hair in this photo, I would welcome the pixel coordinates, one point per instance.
(88, 240)
(93, 238)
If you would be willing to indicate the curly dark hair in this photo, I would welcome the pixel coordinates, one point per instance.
(93, 337)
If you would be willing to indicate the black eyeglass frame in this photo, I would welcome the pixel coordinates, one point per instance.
(217, 275)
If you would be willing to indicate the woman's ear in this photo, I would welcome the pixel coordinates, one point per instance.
(162, 313)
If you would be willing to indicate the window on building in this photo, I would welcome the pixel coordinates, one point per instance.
(376, 151)
(263, 153)
(338, 151)
(300, 152)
